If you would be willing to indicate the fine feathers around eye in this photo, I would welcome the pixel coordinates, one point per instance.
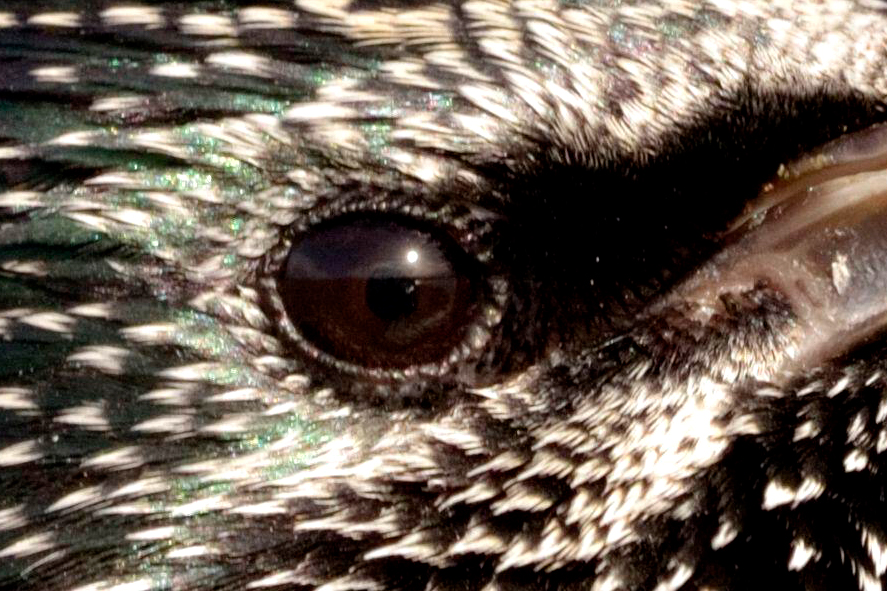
(156, 434)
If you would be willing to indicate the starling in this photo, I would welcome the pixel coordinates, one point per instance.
(391, 295)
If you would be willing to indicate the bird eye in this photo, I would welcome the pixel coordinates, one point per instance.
(378, 293)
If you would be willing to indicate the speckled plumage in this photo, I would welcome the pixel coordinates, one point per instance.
(157, 431)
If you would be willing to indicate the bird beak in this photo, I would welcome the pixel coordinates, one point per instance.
(816, 237)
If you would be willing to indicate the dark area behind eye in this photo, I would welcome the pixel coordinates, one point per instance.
(603, 239)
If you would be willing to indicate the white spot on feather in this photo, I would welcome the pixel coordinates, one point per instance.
(196, 372)
(90, 417)
(55, 19)
(478, 539)
(140, 488)
(28, 546)
(213, 25)
(145, 16)
(241, 61)
(414, 546)
(867, 582)
(55, 74)
(77, 499)
(32, 268)
(176, 70)
(275, 580)
(51, 321)
(857, 428)
(319, 111)
(191, 552)
(138, 585)
(489, 100)
(7, 20)
(181, 423)
(179, 395)
(74, 138)
(16, 399)
(874, 544)
(92, 221)
(882, 411)
(840, 386)
(777, 494)
(116, 103)
(12, 518)
(855, 460)
(94, 310)
(118, 459)
(105, 358)
(806, 430)
(20, 453)
(261, 509)
(131, 217)
(262, 17)
(239, 395)
(726, 533)
(151, 334)
(150, 535)
(201, 506)
(811, 488)
(18, 199)
(680, 576)
(801, 554)
(231, 424)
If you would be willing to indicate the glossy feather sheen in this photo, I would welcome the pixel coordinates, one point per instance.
(159, 431)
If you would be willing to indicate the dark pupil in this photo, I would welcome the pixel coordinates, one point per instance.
(378, 293)
(392, 298)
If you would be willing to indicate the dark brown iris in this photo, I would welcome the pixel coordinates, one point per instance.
(378, 293)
